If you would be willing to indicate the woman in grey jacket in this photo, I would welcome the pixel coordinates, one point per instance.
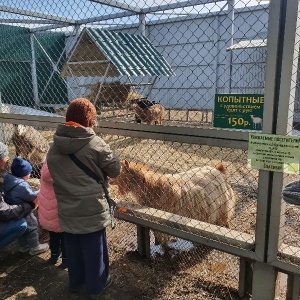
(83, 210)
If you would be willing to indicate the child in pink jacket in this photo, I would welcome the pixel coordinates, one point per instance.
(48, 217)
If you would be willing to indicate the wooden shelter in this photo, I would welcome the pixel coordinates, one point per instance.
(109, 54)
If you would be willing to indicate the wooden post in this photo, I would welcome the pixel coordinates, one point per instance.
(143, 240)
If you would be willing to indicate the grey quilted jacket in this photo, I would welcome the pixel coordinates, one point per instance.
(82, 206)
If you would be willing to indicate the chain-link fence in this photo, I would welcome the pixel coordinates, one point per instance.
(196, 72)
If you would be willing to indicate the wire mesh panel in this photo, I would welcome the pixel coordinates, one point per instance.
(176, 55)
(204, 271)
(145, 63)
(179, 178)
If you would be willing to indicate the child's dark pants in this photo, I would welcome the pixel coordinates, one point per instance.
(56, 243)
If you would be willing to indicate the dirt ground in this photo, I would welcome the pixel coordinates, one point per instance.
(186, 272)
(183, 276)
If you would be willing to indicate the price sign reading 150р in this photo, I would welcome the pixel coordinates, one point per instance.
(238, 122)
(239, 111)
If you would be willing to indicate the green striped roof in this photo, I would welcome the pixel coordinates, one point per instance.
(131, 55)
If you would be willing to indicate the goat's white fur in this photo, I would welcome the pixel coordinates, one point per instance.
(257, 121)
(30, 144)
(201, 193)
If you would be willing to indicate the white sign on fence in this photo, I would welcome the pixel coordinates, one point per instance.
(277, 153)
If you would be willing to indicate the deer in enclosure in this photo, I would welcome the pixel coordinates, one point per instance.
(30, 145)
(200, 193)
(148, 112)
(257, 122)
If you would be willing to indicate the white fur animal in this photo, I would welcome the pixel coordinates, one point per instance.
(30, 145)
(201, 193)
(257, 122)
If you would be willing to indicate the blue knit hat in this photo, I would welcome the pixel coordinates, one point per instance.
(20, 167)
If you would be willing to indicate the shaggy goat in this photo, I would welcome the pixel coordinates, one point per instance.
(200, 193)
(30, 145)
(148, 111)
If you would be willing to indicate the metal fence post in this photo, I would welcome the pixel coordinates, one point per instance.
(293, 287)
(33, 71)
(265, 234)
(286, 98)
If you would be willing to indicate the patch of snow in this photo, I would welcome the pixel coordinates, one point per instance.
(23, 110)
(178, 245)
(182, 245)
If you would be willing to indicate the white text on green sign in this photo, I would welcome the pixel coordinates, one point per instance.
(239, 111)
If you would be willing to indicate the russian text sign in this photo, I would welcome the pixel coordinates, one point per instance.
(239, 111)
(277, 153)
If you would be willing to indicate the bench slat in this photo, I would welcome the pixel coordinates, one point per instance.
(203, 229)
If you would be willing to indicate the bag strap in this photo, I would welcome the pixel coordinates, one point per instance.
(111, 203)
(85, 168)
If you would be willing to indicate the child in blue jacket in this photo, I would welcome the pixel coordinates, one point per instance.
(16, 191)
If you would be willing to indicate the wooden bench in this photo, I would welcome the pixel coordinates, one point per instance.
(149, 218)
(180, 226)
(224, 239)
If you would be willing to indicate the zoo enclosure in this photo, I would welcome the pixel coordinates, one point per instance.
(233, 71)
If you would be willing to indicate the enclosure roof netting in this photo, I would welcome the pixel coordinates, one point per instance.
(15, 45)
(260, 40)
(102, 52)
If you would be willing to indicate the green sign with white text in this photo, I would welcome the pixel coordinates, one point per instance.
(239, 111)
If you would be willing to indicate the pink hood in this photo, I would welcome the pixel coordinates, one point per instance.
(47, 210)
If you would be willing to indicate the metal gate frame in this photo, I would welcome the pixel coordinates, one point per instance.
(280, 86)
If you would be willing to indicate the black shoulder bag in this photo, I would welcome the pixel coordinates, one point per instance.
(111, 203)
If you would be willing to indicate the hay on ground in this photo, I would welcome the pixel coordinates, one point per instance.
(112, 94)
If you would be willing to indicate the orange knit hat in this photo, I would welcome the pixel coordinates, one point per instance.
(81, 111)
